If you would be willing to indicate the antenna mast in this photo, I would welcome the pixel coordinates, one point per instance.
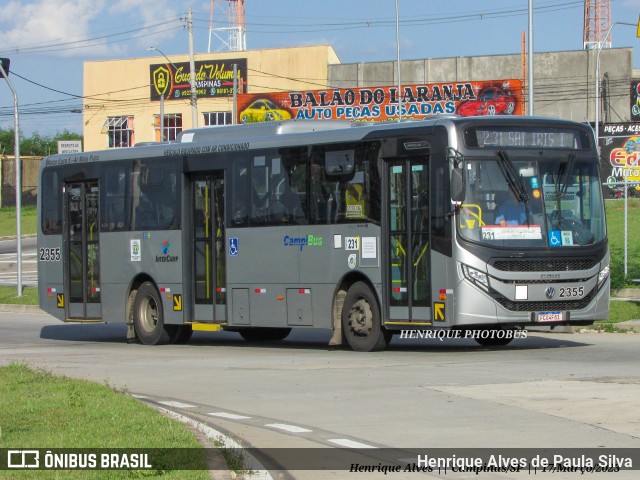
(236, 38)
(597, 21)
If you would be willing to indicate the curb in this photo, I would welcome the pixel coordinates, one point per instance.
(18, 308)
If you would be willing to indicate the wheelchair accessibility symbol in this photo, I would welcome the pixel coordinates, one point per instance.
(555, 238)
(233, 246)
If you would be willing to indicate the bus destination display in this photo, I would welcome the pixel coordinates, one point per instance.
(524, 137)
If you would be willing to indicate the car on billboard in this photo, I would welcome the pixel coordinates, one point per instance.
(491, 101)
(263, 110)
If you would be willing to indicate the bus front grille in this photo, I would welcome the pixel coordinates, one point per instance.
(544, 265)
(541, 306)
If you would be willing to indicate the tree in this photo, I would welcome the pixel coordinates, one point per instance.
(7, 141)
(36, 145)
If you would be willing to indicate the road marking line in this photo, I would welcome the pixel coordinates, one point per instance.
(171, 403)
(138, 396)
(288, 428)
(343, 442)
(258, 471)
(231, 416)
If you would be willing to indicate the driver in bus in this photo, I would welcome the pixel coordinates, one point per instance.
(511, 211)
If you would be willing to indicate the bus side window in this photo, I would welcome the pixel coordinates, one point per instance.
(113, 192)
(144, 213)
(51, 221)
(356, 201)
(156, 196)
(240, 195)
(323, 201)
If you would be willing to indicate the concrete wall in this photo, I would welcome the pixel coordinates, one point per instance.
(563, 81)
(29, 178)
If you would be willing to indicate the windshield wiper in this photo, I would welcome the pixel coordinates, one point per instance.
(514, 181)
(564, 179)
(562, 185)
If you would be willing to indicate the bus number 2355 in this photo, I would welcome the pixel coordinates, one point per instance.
(50, 254)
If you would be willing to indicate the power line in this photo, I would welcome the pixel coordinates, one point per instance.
(89, 42)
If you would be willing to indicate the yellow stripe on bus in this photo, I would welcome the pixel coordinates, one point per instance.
(206, 327)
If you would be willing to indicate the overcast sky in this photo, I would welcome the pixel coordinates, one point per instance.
(48, 40)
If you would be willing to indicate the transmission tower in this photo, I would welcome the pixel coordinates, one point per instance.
(235, 39)
(597, 21)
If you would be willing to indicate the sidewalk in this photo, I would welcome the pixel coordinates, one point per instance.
(14, 308)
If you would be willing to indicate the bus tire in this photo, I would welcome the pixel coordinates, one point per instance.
(496, 341)
(258, 334)
(148, 316)
(361, 320)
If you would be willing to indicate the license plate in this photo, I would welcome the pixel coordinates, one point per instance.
(550, 317)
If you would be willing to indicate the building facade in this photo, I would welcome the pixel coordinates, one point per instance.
(148, 99)
(123, 99)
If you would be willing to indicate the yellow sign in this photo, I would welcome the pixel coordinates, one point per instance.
(60, 299)
(162, 80)
(438, 311)
(177, 303)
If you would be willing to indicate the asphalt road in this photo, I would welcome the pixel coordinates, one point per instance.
(8, 262)
(546, 391)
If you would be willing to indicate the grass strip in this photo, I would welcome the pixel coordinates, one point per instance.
(27, 221)
(9, 295)
(41, 410)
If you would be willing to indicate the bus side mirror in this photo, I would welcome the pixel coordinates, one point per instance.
(458, 186)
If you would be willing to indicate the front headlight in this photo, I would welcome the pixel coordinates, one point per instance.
(476, 277)
(602, 276)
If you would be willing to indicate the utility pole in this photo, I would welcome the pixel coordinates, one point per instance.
(398, 60)
(4, 71)
(530, 58)
(192, 74)
(234, 108)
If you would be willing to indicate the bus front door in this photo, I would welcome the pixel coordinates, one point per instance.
(82, 250)
(408, 273)
(210, 292)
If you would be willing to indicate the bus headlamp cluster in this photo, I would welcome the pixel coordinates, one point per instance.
(602, 276)
(476, 277)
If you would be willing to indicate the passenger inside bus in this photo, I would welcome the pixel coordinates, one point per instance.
(510, 210)
(323, 206)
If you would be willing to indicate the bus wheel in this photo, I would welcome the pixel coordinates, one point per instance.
(148, 317)
(495, 341)
(179, 333)
(361, 322)
(264, 334)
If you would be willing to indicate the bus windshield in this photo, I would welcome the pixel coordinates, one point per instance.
(528, 202)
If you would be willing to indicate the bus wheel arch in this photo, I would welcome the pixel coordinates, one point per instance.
(147, 313)
(361, 317)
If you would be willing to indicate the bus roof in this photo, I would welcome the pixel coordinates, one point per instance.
(249, 136)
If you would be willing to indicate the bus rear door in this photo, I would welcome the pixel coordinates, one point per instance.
(82, 250)
(210, 292)
(408, 272)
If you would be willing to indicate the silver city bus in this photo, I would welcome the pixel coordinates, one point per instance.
(482, 225)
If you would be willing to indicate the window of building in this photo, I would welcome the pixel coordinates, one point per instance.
(119, 131)
(217, 118)
(172, 126)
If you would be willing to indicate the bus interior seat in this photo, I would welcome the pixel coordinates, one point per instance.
(291, 202)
